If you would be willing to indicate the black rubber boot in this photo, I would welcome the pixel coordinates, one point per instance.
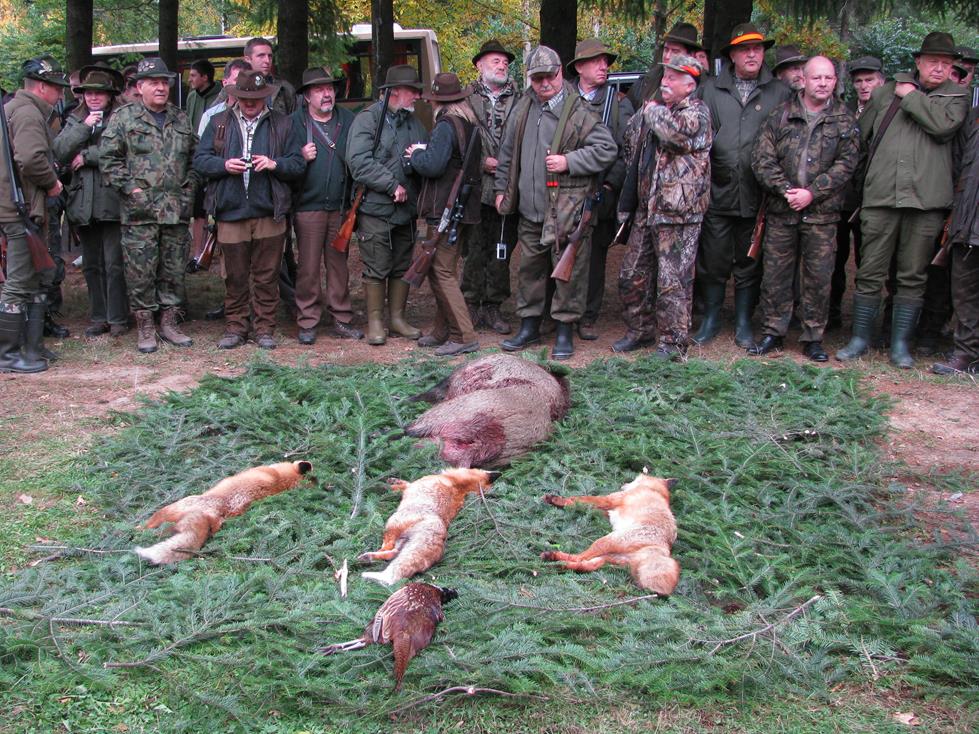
(710, 326)
(865, 310)
(12, 333)
(903, 322)
(744, 305)
(563, 342)
(529, 334)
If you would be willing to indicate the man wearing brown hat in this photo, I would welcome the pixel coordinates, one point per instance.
(740, 98)
(490, 245)
(249, 155)
(385, 232)
(145, 154)
(93, 206)
(319, 206)
(22, 299)
(681, 40)
(789, 63)
(553, 157)
(591, 64)
(907, 191)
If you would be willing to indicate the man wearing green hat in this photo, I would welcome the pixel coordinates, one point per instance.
(22, 300)
(907, 191)
(145, 155)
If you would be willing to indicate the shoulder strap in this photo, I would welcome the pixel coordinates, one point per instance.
(888, 116)
(220, 122)
(562, 122)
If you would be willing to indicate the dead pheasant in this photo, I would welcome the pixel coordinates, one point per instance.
(406, 621)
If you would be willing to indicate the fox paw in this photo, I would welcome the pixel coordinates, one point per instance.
(555, 499)
(549, 556)
(365, 558)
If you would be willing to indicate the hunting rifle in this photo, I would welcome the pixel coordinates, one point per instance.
(448, 226)
(759, 231)
(341, 242)
(40, 257)
(203, 259)
(565, 265)
(944, 248)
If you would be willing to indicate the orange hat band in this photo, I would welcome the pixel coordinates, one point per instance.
(747, 37)
(691, 70)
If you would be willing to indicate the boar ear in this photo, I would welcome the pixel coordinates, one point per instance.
(670, 483)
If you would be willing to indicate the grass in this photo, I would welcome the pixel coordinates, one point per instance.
(805, 572)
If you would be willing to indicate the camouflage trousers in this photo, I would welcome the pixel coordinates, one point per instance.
(812, 249)
(485, 277)
(656, 281)
(156, 260)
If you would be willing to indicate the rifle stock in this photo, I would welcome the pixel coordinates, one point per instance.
(422, 262)
(944, 248)
(40, 257)
(341, 242)
(565, 265)
(206, 255)
(759, 231)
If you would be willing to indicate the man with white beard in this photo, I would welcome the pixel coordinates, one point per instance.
(486, 268)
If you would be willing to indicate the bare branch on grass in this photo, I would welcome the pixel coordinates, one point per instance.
(753, 635)
(469, 691)
(66, 621)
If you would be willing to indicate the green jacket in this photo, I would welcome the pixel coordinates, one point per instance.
(31, 137)
(197, 103)
(383, 171)
(734, 191)
(619, 115)
(135, 153)
(492, 121)
(90, 199)
(789, 155)
(522, 178)
(964, 228)
(912, 167)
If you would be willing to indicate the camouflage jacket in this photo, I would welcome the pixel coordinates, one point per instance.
(671, 166)
(135, 153)
(522, 178)
(31, 138)
(790, 153)
(492, 117)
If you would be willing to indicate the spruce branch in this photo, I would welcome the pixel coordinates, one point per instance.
(753, 635)
(597, 607)
(66, 621)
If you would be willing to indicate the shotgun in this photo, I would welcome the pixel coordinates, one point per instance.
(341, 242)
(40, 257)
(945, 247)
(203, 259)
(562, 271)
(759, 231)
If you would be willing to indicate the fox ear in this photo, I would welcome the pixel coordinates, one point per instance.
(670, 483)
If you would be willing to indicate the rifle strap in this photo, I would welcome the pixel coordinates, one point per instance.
(562, 123)
(313, 130)
(884, 123)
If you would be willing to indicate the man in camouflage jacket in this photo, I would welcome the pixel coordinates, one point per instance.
(529, 162)
(145, 154)
(668, 187)
(806, 153)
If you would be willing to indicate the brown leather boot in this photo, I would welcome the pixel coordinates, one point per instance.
(171, 332)
(145, 332)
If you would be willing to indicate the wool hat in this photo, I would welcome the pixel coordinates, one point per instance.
(590, 48)
(788, 56)
(45, 69)
(687, 65)
(402, 75)
(152, 68)
(252, 85)
(746, 33)
(938, 43)
(316, 75)
(543, 60)
(96, 79)
(865, 63)
(492, 46)
(684, 34)
(446, 87)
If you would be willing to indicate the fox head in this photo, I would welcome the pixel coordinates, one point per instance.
(470, 480)
(655, 484)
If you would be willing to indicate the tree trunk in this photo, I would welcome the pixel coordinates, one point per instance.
(78, 36)
(169, 10)
(292, 28)
(382, 40)
(559, 26)
(720, 17)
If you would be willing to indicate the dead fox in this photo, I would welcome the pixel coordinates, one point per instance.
(199, 516)
(492, 410)
(414, 536)
(643, 532)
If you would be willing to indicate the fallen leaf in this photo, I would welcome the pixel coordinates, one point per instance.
(25, 499)
(120, 727)
(906, 717)
(81, 501)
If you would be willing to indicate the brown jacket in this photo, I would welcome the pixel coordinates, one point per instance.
(31, 137)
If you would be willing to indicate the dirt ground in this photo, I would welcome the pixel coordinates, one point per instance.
(934, 420)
